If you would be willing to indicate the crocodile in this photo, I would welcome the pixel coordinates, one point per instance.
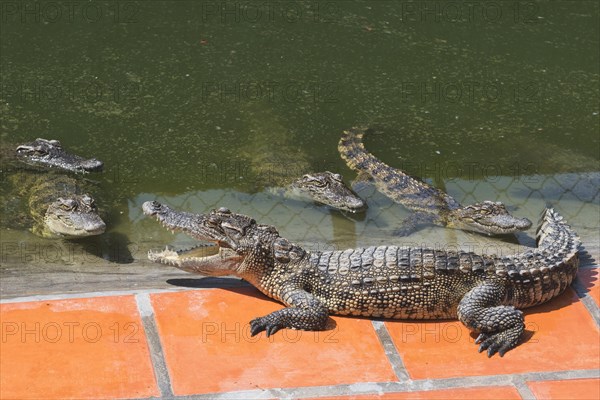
(430, 205)
(58, 205)
(49, 154)
(484, 292)
(276, 163)
(326, 188)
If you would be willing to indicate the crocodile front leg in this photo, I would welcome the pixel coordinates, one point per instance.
(500, 326)
(304, 312)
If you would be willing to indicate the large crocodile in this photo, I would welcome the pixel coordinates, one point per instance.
(276, 163)
(58, 205)
(483, 291)
(430, 204)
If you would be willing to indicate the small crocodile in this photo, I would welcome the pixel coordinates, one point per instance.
(430, 204)
(483, 291)
(49, 154)
(326, 188)
(276, 163)
(58, 205)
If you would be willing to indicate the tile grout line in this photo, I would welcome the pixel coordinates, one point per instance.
(422, 385)
(524, 391)
(107, 293)
(85, 295)
(157, 356)
(391, 352)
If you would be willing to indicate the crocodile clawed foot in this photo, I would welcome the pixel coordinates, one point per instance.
(499, 342)
(260, 324)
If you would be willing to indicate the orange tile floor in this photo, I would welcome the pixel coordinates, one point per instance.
(197, 342)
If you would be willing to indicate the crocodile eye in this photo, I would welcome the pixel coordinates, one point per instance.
(337, 177)
(213, 220)
(224, 210)
(38, 151)
(234, 230)
(311, 179)
(67, 204)
(89, 201)
(41, 150)
(317, 182)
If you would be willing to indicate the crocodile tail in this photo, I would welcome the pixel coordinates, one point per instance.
(541, 274)
(558, 247)
(394, 183)
(555, 235)
(353, 151)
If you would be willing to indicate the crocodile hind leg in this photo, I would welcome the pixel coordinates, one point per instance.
(304, 312)
(500, 327)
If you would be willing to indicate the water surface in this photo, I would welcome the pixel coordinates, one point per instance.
(192, 103)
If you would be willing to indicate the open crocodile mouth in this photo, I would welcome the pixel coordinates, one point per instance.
(210, 257)
(171, 256)
(205, 258)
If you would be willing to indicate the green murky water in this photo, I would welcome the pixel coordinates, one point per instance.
(184, 101)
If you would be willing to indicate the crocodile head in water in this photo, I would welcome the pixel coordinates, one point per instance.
(73, 217)
(329, 188)
(50, 154)
(236, 237)
(487, 217)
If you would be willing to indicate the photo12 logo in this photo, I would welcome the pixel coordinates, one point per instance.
(469, 92)
(90, 90)
(24, 252)
(237, 332)
(492, 12)
(69, 332)
(272, 91)
(268, 12)
(52, 12)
